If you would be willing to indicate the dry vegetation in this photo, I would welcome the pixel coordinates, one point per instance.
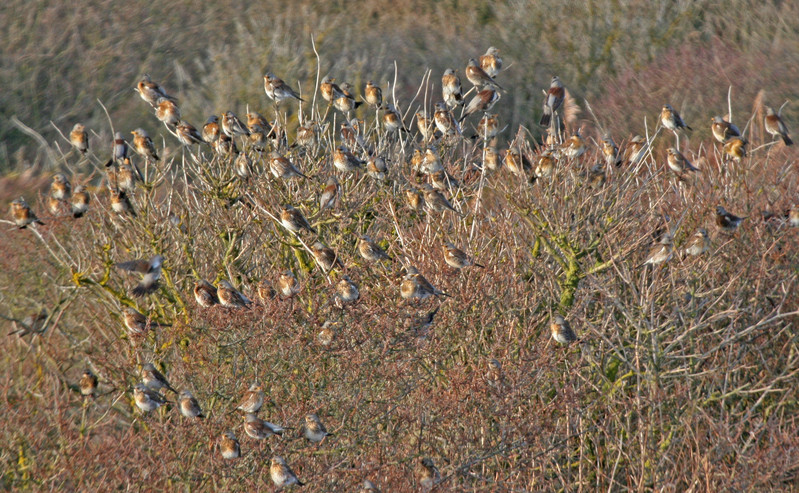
(683, 377)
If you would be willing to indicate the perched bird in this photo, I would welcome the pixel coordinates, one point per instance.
(635, 151)
(372, 94)
(288, 285)
(545, 164)
(376, 167)
(330, 90)
(596, 175)
(327, 333)
(259, 429)
(232, 126)
(281, 473)
(143, 144)
(431, 162)
(345, 161)
(167, 112)
(662, 252)
(225, 146)
(735, 148)
(722, 129)
(154, 379)
(243, 165)
(478, 77)
(257, 123)
(350, 134)
(415, 286)
(229, 446)
(775, 126)
(306, 134)
(491, 158)
(451, 88)
(494, 375)
(188, 135)
(428, 473)
(53, 205)
(151, 91)
(346, 290)
(574, 146)
(127, 176)
(205, 294)
(371, 251)
(457, 258)
(79, 138)
(793, 216)
(188, 405)
(392, 120)
(482, 101)
(313, 429)
(146, 399)
(726, 221)
(282, 168)
(88, 383)
(488, 126)
(611, 151)
(562, 331)
(120, 203)
(211, 130)
(368, 487)
(445, 121)
(278, 90)
(435, 201)
(151, 270)
(552, 101)
(135, 322)
(293, 220)
(120, 148)
(229, 296)
(699, 243)
(491, 63)
(671, 119)
(265, 290)
(345, 102)
(60, 188)
(325, 257)
(252, 400)
(414, 199)
(678, 163)
(329, 195)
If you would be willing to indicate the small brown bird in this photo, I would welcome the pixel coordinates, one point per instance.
(126, 176)
(376, 168)
(445, 121)
(293, 220)
(346, 290)
(225, 146)
(775, 126)
(722, 129)
(79, 138)
(277, 90)
(146, 399)
(188, 135)
(88, 383)
(143, 144)
(678, 163)
(167, 112)
(205, 294)
(371, 251)
(325, 257)
(253, 399)
(188, 405)
(487, 127)
(562, 331)
(793, 216)
(435, 201)
(552, 101)
(574, 146)
(478, 77)
(135, 322)
(457, 258)
(151, 91)
(229, 296)
(414, 199)
(483, 101)
(211, 130)
(259, 429)
(428, 473)
(451, 88)
(265, 290)
(735, 148)
(392, 120)
(369, 487)
(545, 164)
(373, 95)
(288, 285)
(22, 214)
(415, 286)
(60, 188)
(491, 63)
(257, 123)
(345, 161)
(154, 379)
(635, 151)
(611, 151)
(671, 119)
(281, 473)
(662, 252)
(491, 158)
(120, 148)
(282, 168)
(726, 221)
(229, 446)
(345, 102)
(151, 270)
(232, 126)
(314, 430)
(243, 165)
(120, 203)
(699, 243)
(330, 90)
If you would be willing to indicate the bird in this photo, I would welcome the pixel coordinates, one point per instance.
(151, 270)
(229, 446)
(188, 135)
(457, 258)
(350, 134)
(414, 199)
(611, 151)
(488, 126)
(327, 333)
(120, 147)
(678, 163)
(494, 375)
(545, 164)
(205, 294)
(726, 221)
(491, 158)
(478, 77)
(229, 296)
(232, 126)
(346, 290)
(552, 100)
(482, 101)
(330, 90)
(662, 252)
(151, 91)
(325, 257)
(120, 203)
(143, 144)
(435, 201)
(376, 167)
(259, 429)
(79, 138)
(293, 220)
(698, 244)
(345, 161)
(281, 167)
(288, 285)
(60, 188)
(306, 134)
(154, 379)
(188, 405)
(265, 290)
(225, 146)
(722, 129)
(775, 126)
(562, 331)
(136, 323)
(574, 146)
(126, 177)
(368, 487)
(257, 123)
(451, 88)
(146, 399)
(313, 429)
(167, 112)
(445, 121)
(415, 286)
(53, 205)
(635, 151)
(491, 63)
(211, 129)
(243, 165)
(88, 383)
(373, 95)
(735, 148)
(371, 251)
(392, 120)
(252, 400)
(278, 90)
(671, 119)
(428, 473)
(345, 102)
(431, 162)
(281, 473)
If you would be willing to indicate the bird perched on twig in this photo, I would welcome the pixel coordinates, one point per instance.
(151, 270)
(552, 100)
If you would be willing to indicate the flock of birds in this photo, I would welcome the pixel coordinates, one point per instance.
(265, 141)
